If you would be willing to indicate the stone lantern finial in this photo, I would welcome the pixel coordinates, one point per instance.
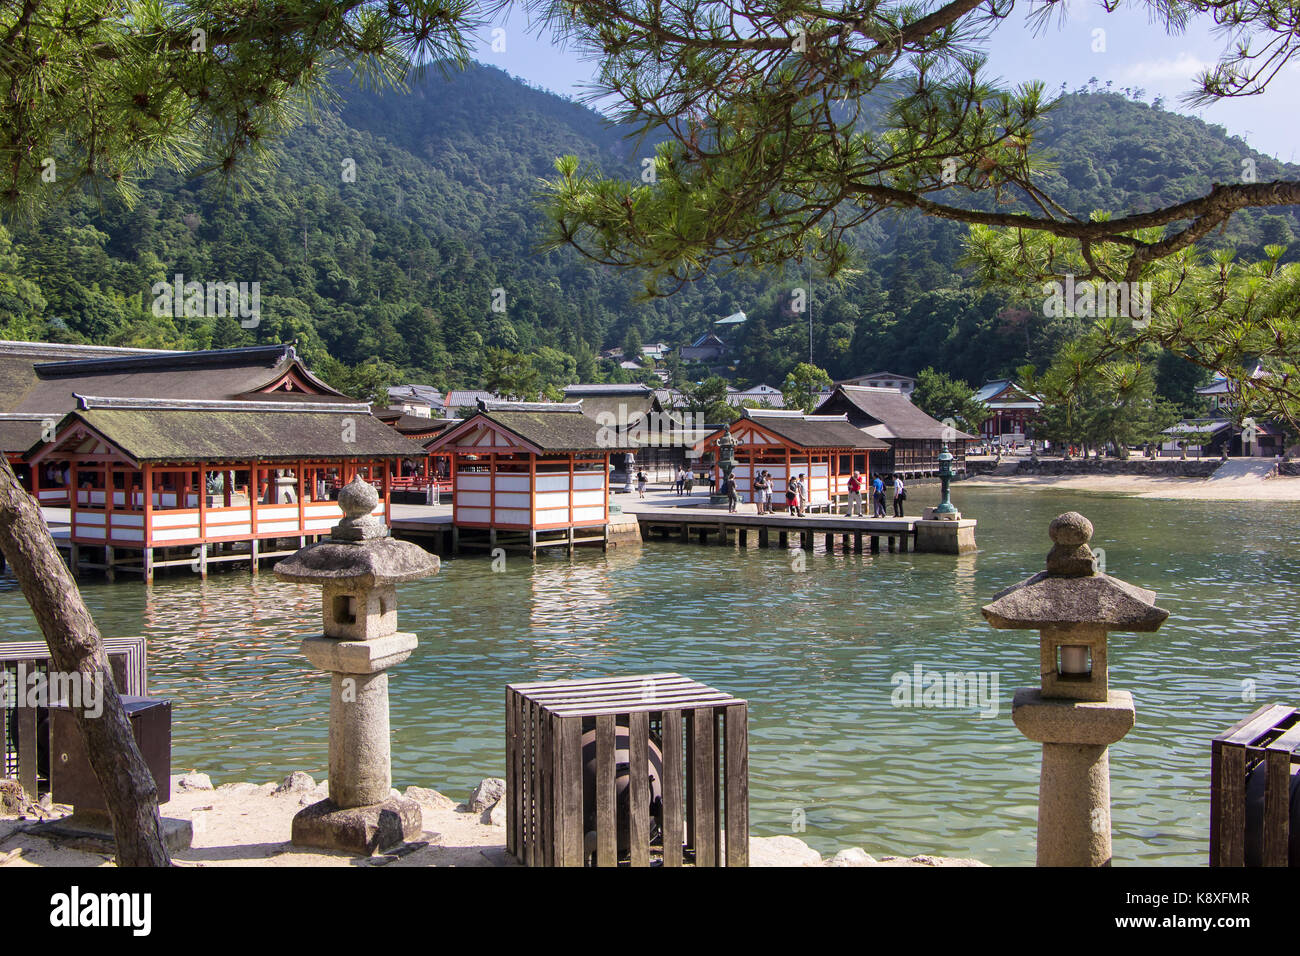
(1070, 556)
(358, 500)
(1074, 713)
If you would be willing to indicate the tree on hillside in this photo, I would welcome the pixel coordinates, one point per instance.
(790, 124)
(802, 385)
(941, 396)
(510, 375)
(707, 401)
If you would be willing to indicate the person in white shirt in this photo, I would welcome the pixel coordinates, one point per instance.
(900, 495)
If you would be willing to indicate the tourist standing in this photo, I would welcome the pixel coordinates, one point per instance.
(792, 494)
(641, 479)
(681, 480)
(900, 495)
(877, 497)
(855, 495)
(801, 494)
(690, 483)
(760, 484)
(729, 489)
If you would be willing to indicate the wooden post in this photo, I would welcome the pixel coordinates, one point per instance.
(254, 492)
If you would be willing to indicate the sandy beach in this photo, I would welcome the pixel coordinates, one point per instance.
(247, 824)
(1191, 489)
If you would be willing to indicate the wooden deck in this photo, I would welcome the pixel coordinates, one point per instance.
(899, 534)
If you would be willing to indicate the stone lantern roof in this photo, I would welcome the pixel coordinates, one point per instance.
(359, 552)
(1072, 591)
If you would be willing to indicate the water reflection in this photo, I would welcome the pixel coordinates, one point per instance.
(812, 650)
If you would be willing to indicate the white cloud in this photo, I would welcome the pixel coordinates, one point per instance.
(1182, 70)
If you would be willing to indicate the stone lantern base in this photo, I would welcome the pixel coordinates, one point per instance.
(945, 535)
(364, 831)
(1074, 784)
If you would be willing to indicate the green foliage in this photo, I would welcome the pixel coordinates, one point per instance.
(941, 396)
(802, 385)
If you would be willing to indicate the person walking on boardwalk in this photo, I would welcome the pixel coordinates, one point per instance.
(855, 495)
(729, 489)
(681, 480)
(900, 495)
(877, 497)
(641, 479)
(801, 495)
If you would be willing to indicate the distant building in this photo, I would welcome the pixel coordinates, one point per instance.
(539, 468)
(1221, 393)
(903, 383)
(634, 409)
(461, 399)
(418, 400)
(707, 348)
(1013, 411)
(1212, 437)
(187, 458)
(825, 449)
(914, 438)
(758, 393)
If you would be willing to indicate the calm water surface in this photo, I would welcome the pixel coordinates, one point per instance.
(813, 651)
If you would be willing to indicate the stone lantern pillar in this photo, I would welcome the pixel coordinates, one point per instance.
(1074, 714)
(358, 568)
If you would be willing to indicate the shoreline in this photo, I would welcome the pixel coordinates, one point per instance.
(1138, 486)
(248, 824)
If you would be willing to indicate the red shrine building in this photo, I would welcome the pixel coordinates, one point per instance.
(168, 459)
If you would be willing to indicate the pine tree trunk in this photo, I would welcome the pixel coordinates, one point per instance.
(129, 789)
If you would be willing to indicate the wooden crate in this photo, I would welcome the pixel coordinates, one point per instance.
(1270, 737)
(24, 732)
(703, 737)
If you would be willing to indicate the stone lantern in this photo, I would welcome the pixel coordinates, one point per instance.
(1074, 714)
(358, 568)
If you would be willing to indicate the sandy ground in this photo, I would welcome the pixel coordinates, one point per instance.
(244, 824)
(1197, 489)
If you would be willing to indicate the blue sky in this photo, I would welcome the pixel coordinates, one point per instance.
(1136, 53)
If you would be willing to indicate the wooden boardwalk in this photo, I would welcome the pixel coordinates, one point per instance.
(684, 523)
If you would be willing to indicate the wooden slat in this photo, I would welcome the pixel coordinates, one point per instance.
(572, 836)
(638, 732)
(535, 784)
(737, 796)
(528, 741)
(1232, 800)
(1277, 806)
(692, 794)
(672, 746)
(706, 788)
(606, 833)
(579, 683)
(25, 720)
(512, 780)
(545, 833)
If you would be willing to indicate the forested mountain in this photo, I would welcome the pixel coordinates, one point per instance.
(387, 233)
